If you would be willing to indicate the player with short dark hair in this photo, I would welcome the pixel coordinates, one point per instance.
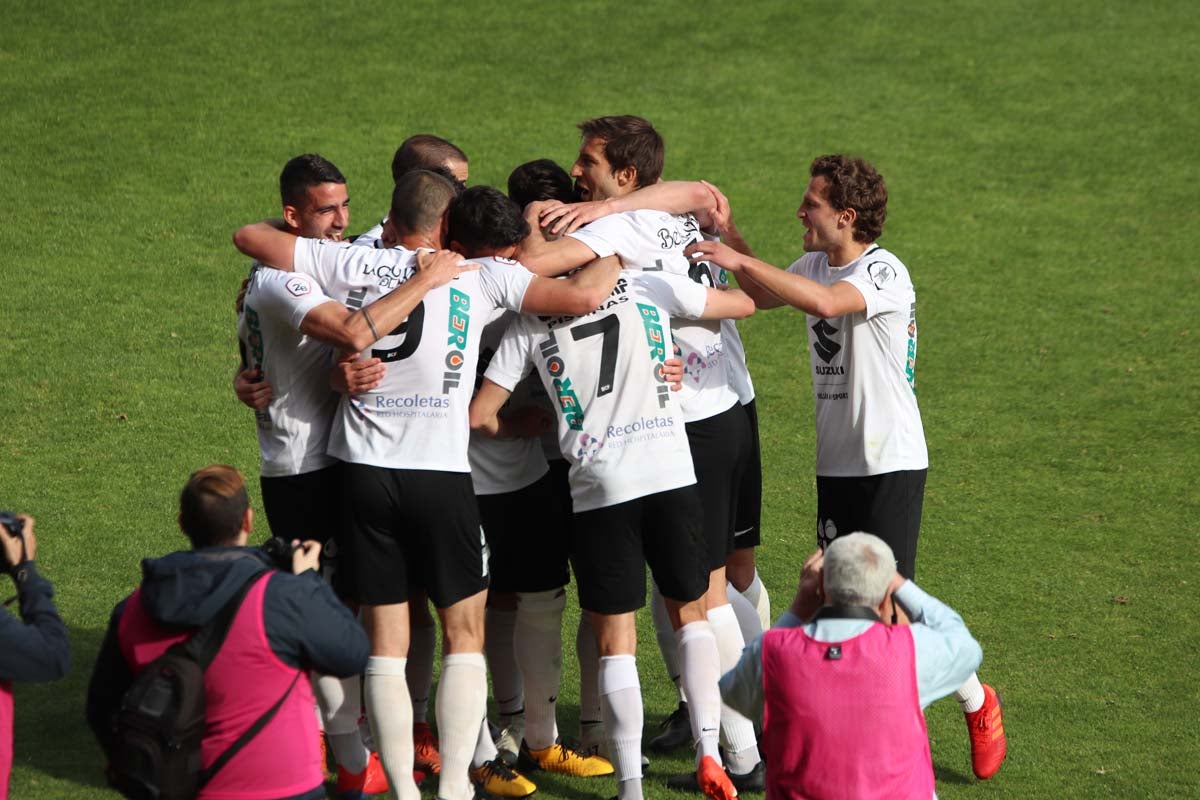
(861, 325)
(426, 151)
(541, 179)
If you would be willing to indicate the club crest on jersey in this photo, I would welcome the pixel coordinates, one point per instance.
(568, 401)
(881, 273)
(299, 287)
(588, 449)
(458, 324)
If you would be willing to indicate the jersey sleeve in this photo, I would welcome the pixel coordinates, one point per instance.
(317, 258)
(884, 284)
(505, 284)
(607, 236)
(286, 295)
(512, 359)
(675, 294)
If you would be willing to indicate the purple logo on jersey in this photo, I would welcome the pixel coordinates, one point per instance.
(694, 366)
(589, 448)
(299, 287)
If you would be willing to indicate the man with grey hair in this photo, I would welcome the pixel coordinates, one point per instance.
(830, 682)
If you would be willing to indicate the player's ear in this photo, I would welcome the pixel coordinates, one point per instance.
(846, 217)
(291, 215)
(626, 176)
(248, 521)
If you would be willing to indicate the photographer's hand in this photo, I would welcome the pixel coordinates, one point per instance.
(307, 555)
(16, 550)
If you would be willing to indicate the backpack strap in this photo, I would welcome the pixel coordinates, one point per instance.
(203, 645)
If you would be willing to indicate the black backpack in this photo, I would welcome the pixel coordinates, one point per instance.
(155, 751)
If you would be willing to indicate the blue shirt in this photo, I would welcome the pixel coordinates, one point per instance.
(946, 653)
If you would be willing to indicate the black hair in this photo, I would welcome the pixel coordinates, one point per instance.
(484, 217)
(542, 179)
(302, 173)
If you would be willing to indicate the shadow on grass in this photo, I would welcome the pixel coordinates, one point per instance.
(947, 775)
(51, 735)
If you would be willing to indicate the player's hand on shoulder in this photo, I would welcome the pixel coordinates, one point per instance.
(443, 266)
(251, 389)
(306, 556)
(570, 217)
(717, 253)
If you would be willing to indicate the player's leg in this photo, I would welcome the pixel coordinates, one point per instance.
(503, 521)
(894, 501)
(422, 648)
(679, 560)
(374, 562)
(741, 569)
(445, 519)
(610, 571)
(308, 506)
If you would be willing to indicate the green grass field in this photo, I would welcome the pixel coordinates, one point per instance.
(1043, 164)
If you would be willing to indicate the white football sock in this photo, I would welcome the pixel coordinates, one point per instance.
(507, 686)
(621, 704)
(737, 732)
(422, 645)
(701, 670)
(756, 593)
(538, 641)
(485, 748)
(970, 695)
(664, 634)
(340, 709)
(390, 713)
(461, 704)
(747, 616)
(591, 722)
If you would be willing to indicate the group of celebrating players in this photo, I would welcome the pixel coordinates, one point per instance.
(487, 392)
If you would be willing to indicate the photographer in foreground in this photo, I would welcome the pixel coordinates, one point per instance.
(844, 692)
(36, 648)
(285, 625)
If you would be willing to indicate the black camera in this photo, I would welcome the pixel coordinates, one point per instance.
(14, 524)
(279, 552)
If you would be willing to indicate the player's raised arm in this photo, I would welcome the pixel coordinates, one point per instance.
(674, 197)
(267, 244)
(727, 304)
(780, 285)
(550, 258)
(577, 295)
(333, 323)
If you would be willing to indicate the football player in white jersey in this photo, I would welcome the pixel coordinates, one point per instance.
(412, 514)
(633, 489)
(287, 330)
(862, 333)
(619, 155)
(526, 521)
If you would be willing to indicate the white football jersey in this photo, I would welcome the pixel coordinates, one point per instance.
(619, 426)
(499, 466)
(371, 238)
(417, 418)
(293, 432)
(863, 369)
(654, 241)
